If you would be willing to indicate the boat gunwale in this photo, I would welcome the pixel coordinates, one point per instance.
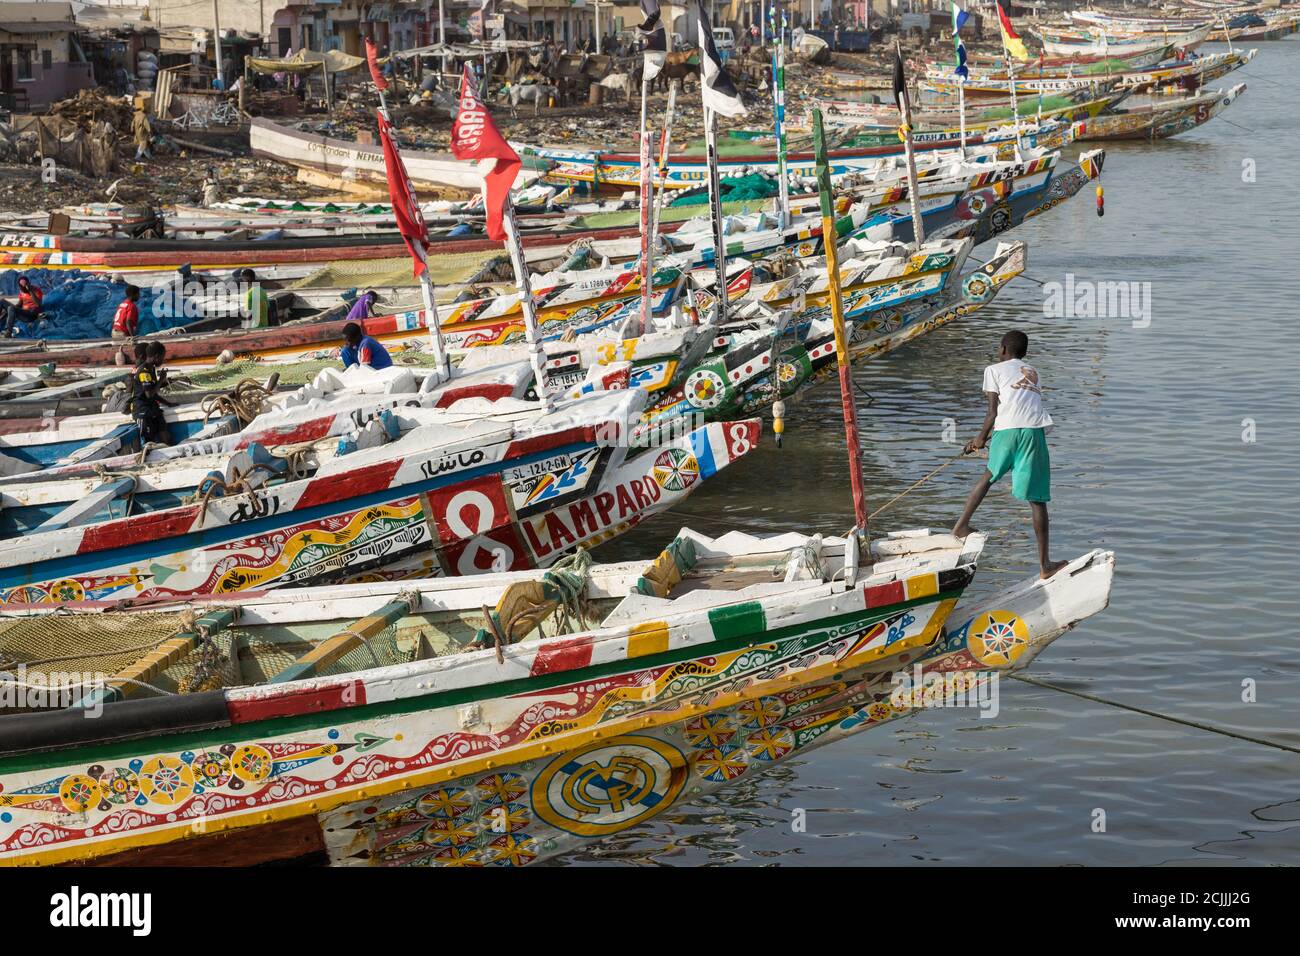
(320, 698)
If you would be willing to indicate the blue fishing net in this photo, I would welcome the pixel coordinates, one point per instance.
(80, 305)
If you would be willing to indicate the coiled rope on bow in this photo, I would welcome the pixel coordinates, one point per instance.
(244, 402)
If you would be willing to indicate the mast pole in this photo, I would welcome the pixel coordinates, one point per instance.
(843, 362)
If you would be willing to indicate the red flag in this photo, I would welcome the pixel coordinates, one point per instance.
(372, 57)
(410, 221)
(475, 136)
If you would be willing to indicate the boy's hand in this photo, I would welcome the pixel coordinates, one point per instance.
(972, 446)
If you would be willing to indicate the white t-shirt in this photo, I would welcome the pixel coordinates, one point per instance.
(1020, 395)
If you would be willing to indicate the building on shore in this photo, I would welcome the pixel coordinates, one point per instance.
(40, 59)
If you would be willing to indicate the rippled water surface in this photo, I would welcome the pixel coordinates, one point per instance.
(1149, 460)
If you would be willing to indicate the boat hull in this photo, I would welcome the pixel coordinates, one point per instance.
(451, 509)
(1159, 123)
(587, 747)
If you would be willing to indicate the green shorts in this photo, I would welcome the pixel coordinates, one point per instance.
(1023, 452)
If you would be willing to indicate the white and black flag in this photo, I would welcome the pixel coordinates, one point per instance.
(718, 92)
(654, 38)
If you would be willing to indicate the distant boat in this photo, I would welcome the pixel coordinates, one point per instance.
(348, 159)
(1159, 120)
(1090, 43)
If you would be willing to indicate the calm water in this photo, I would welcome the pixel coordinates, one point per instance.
(1149, 460)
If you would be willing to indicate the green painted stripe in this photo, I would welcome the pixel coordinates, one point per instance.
(278, 726)
(737, 619)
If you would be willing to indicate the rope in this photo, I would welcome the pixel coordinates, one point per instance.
(1238, 125)
(916, 484)
(569, 576)
(244, 401)
(1196, 725)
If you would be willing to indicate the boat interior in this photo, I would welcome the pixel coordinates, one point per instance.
(296, 634)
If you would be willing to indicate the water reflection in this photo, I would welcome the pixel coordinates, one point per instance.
(1149, 459)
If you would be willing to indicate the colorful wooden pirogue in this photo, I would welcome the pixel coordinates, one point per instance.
(499, 720)
(1067, 42)
(430, 491)
(1162, 118)
(567, 307)
(618, 170)
(1188, 76)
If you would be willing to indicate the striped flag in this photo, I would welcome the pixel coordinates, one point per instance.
(959, 18)
(717, 90)
(1010, 38)
(655, 38)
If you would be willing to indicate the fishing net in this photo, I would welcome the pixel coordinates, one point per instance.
(69, 656)
(80, 305)
(54, 660)
(291, 373)
(735, 189)
(260, 659)
(445, 268)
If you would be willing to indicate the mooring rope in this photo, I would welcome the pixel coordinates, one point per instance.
(1196, 725)
(917, 484)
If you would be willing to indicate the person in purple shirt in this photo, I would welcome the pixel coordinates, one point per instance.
(363, 308)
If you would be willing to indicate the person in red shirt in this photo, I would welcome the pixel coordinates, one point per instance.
(28, 308)
(126, 321)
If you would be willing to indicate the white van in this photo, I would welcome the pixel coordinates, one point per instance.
(724, 39)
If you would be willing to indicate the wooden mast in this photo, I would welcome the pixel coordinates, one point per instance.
(841, 336)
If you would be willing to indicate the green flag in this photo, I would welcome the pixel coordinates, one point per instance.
(823, 166)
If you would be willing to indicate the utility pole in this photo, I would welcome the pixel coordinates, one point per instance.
(442, 40)
(595, 10)
(216, 42)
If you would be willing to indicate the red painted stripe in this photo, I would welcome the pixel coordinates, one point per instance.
(292, 702)
(535, 443)
(489, 390)
(306, 431)
(884, 594)
(145, 527)
(555, 656)
(24, 426)
(350, 484)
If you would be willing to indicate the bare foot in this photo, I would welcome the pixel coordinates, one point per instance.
(1051, 569)
(962, 530)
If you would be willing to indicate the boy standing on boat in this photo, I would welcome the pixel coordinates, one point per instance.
(1018, 423)
(146, 401)
(360, 349)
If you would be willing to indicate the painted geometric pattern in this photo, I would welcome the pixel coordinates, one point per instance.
(610, 786)
(155, 791)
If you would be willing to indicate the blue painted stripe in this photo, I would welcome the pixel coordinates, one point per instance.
(52, 453)
(702, 449)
